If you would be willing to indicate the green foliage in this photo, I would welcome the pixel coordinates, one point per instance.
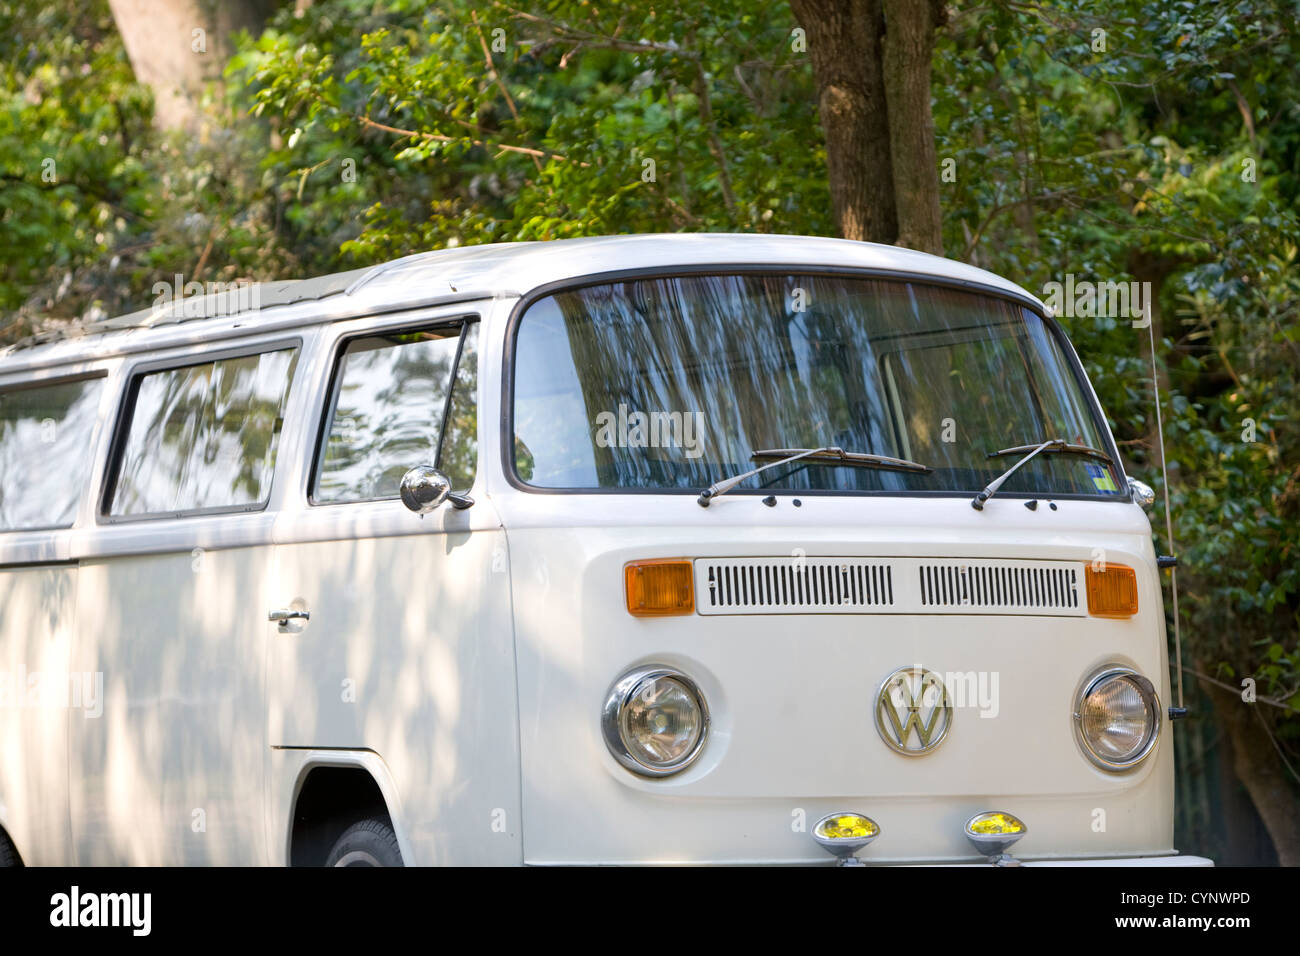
(475, 126)
(72, 183)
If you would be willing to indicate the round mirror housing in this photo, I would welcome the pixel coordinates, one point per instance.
(1142, 493)
(424, 488)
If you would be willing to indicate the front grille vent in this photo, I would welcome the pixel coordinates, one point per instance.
(794, 585)
(1024, 586)
(802, 584)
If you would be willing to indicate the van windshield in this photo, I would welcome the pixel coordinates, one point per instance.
(673, 383)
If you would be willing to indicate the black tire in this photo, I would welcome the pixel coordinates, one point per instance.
(369, 842)
(8, 852)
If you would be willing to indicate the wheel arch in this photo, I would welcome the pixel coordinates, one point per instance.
(346, 784)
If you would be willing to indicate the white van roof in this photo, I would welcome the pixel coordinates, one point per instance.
(484, 271)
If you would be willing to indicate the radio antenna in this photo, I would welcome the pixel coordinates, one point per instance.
(1169, 518)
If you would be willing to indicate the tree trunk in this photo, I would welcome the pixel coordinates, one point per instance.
(908, 48)
(178, 47)
(844, 40)
(1257, 766)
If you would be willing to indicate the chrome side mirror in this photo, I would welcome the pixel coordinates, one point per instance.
(1141, 492)
(424, 488)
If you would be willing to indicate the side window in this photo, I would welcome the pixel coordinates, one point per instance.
(45, 433)
(393, 395)
(202, 437)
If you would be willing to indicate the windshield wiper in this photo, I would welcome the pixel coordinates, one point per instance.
(828, 456)
(1054, 445)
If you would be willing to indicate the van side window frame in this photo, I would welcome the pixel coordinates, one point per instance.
(122, 421)
(325, 424)
(70, 378)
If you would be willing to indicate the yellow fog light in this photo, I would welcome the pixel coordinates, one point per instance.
(987, 824)
(844, 833)
(992, 833)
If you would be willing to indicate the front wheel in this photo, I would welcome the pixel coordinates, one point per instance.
(369, 842)
(8, 852)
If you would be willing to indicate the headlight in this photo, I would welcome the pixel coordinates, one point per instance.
(655, 721)
(1117, 718)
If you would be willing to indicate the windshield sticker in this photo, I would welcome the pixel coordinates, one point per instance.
(1101, 479)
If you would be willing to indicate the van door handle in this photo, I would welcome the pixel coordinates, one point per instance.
(284, 615)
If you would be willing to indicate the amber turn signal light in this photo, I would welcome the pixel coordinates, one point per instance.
(659, 587)
(1112, 591)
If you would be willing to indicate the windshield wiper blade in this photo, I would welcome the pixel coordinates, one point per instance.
(842, 457)
(1055, 445)
(829, 455)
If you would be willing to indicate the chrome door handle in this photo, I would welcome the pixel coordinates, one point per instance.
(284, 615)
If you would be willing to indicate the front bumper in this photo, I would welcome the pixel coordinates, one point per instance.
(1130, 861)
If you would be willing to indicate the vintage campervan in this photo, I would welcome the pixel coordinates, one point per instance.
(644, 549)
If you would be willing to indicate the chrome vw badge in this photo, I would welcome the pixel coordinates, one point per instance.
(913, 711)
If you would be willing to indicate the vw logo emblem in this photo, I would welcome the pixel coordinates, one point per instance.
(913, 711)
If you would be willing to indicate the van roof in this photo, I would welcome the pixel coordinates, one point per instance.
(473, 272)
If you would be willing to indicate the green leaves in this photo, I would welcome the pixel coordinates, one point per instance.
(553, 122)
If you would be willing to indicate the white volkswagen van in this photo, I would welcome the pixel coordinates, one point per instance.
(647, 549)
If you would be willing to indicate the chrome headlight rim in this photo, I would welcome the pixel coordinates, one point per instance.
(1148, 691)
(622, 692)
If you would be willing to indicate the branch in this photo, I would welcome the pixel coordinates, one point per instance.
(1237, 690)
(440, 138)
(1002, 207)
(496, 77)
(1244, 108)
(715, 142)
(681, 211)
(564, 31)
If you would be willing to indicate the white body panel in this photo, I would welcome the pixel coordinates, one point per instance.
(462, 659)
(793, 735)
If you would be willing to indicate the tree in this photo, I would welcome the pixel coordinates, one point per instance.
(179, 47)
(872, 60)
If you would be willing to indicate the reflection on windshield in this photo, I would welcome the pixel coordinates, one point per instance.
(44, 438)
(671, 383)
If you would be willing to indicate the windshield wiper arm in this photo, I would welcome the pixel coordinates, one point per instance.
(1055, 445)
(828, 455)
